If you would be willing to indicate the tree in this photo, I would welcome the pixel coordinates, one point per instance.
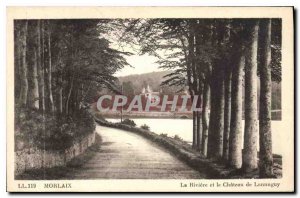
(250, 134)
(194, 82)
(216, 121)
(176, 39)
(53, 70)
(23, 69)
(238, 62)
(265, 133)
(227, 111)
(32, 54)
(46, 34)
(220, 40)
(17, 56)
(128, 89)
(205, 117)
(209, 56)
(40, 69)
(227, 94)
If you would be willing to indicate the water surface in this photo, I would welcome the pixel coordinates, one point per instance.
(183, 128)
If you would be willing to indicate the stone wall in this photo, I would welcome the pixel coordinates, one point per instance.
(34, 158)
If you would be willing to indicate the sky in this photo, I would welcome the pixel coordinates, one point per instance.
(141, 64)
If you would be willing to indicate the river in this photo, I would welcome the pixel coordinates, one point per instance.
(183, 128)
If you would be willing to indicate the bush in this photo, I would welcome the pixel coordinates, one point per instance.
(129, 122)
(163, 135)
(51, 132)
(176, 137)
(99, 116)
(146, 127)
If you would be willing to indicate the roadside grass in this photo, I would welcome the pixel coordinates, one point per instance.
(61, 172)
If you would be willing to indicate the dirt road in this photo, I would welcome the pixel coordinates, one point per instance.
(125, 155)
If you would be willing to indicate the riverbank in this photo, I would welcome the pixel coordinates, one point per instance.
(183, 151)
(183, 128)
(143, 114)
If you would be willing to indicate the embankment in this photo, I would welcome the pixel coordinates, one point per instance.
(35, 158)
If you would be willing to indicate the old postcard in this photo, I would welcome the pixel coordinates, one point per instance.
(150, 99)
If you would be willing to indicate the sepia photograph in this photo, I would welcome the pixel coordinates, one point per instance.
(190, 102)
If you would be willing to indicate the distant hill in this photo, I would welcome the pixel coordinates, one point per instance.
(138, 81)
(152, 79)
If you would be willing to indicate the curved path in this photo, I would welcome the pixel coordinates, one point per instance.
(125, 155)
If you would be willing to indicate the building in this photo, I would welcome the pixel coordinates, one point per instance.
(149, 94)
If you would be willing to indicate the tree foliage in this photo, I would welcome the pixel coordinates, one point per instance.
(57, 64)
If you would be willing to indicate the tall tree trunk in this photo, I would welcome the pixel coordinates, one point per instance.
(220, 118)
(33, 91)
(205, 117)
(60, 94)
(81, 96)
(194, 145)
(192, 61)
(250, 134)
(77, 97)
(23, 65)
(69, 94)
(199, 130)
(52, 107)
(199, 120)
(17, 57)
(200, 66)
(227, 112)
(40, 69)
(58, 91)
(48, 72)
(216, 123)
(235, 137)
(265, 133)
(211, 143)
